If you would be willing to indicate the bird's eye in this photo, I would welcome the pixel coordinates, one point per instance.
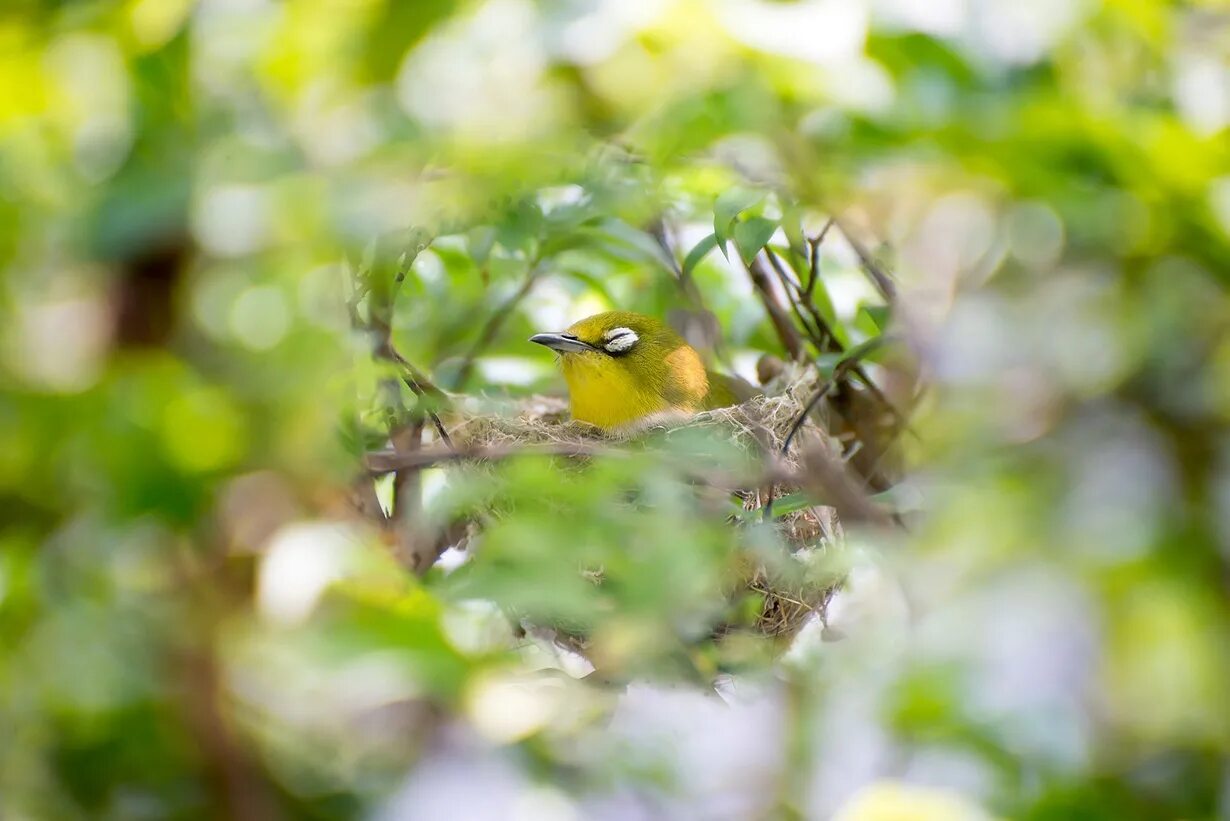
(619, 340)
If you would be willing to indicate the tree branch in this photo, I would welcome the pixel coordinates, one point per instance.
(496, 321)
(786, 331)
(878, 276)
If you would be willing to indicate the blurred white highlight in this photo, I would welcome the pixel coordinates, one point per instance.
(505, 709)
(59, 344)
(598, 28)
(232, 220)
(90, 72)
(936, 17)
(1017, 33)
(300, 563)
(723, 758)
(510, 370)
(1201, 91)
(480, 75)
(260, 317)
(825, 32)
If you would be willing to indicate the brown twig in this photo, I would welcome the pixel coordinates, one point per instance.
(419, 385)
(819, 331)
(687, 286)
(786, 331)
(836, 487)
(813, 268)
(807, 409)
(827, 341)
(829, 481)
(388, 461)
(657, 230)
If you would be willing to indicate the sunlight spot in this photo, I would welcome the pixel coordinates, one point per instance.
(300, 563)
(260, 318)
(510, 370)
(821, 31)
(506, 709)
(232, 220)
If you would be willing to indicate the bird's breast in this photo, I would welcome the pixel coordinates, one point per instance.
(615, 397)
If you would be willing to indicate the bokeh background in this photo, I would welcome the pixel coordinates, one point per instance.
(194, 620)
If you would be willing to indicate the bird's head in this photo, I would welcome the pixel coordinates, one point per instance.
(625, 370)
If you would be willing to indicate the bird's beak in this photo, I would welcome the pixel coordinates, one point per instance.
(564, 343)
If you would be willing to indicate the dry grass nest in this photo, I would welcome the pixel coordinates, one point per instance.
(759, 426)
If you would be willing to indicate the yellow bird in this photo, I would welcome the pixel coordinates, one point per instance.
(626, 371)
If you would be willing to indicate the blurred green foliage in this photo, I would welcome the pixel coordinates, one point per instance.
(196, 623)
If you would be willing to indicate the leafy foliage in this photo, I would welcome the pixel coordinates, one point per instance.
(242, 245)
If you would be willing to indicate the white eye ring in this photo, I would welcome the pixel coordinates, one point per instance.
(619, 340)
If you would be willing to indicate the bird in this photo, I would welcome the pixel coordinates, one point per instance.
(628, 371)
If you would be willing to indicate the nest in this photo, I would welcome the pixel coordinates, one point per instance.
(760, 427)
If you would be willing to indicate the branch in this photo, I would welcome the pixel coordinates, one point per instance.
(492, 327)
(878, 276)
(687, 285)
(814, 262)
(827, 480)
(829, 340)
(786, 332)
(821, 335)
(388, 461)
(419, 385)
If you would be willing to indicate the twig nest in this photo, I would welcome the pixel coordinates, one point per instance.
(759, 427)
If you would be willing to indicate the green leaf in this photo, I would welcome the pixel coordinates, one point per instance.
(699, 252)
(620, 233)
(792, 503)
(824, 304)
(564, 242)
(878, 314)
(782, 506)
(863, 351)
(828, 362)
(520, 226)
(727, 208)
(597, 283)
(751, 235)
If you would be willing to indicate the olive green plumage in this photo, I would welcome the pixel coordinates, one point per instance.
(627, 370)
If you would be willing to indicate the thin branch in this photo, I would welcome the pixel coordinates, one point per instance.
(687, 285)
(767, 514)
(419, 385)
(807, 409)
(795, 293)
(388, 461)
(496, 321)
(828, 480)
(820, 477)
(814, 262)
(786, 331)
(878, 276)
(826, 340)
